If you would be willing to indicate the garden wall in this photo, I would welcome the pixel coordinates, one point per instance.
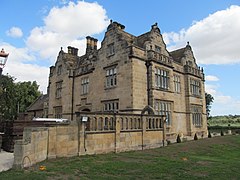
(101, 133)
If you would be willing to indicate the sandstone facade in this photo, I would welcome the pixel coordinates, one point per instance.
(127, 74)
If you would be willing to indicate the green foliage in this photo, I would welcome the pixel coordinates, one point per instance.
(222, 134)
(27, 92)
(178, 139)
(195, 136)
(209, 101)
(227, 120)
(15, 97)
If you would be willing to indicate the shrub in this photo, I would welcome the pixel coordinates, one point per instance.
(209, 134)
(222, 134)
(179, 139)
(195, 136)
(168, 142)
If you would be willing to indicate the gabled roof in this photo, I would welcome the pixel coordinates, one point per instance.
(38, 103)
(178, 54)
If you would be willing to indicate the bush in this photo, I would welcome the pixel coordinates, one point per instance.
(209, 134)
(222, 134)
(195, 136)
(179, 139)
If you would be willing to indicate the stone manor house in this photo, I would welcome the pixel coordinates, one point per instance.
(129, 74)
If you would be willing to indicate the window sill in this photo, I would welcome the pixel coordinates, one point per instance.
(162, 89)
(198, 126)
(109, 55)
(108, 88)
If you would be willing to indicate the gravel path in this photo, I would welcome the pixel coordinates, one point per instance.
(6, 160)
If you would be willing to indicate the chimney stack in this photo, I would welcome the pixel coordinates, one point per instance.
(72, 50)
(91, 44)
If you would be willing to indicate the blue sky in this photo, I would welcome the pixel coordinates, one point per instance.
(33, 32)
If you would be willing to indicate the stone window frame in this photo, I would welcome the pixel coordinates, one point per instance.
(195, 87)
(177, 83)
(58, 92)
(84, 85)
(111, 105)
(111, 77)
(59, 70)
(164, 108)
(58, 112)
(196, 111)
(110, 49)
(157, 48)
(162, 78)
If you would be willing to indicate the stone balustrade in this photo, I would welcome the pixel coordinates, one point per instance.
(98, 122)
(153, 55)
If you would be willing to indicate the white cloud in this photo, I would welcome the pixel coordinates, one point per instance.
(17, 54)
(15, 32)
(211, 78)
(211, 89)
(29, 72)
(222, 104)
(18, 65)
(67, 25)
(215, 39)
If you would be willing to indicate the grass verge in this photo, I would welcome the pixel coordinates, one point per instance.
(213, 158)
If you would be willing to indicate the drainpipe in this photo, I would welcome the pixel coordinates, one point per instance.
(73, 83)
(148, 64)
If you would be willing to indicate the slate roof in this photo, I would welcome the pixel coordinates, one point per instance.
(178, 54)
(38, 103)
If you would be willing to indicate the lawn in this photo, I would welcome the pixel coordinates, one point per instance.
(213, 158)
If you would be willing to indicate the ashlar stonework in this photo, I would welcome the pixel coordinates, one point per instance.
(127, 74)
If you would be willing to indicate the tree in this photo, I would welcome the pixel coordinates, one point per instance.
(27, 92)
(209, 101)
(15, 97)
(7, 98)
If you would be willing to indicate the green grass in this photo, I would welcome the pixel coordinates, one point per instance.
(213, 158)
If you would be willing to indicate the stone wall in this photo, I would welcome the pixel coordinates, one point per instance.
(102, 133)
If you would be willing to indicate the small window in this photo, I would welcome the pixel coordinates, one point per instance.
(110, 49)
(157, 49)
(59, 70)
(58, 112)
(111, 106)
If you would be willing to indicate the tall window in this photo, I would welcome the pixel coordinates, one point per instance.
(177, 86)
(161, 79)
(110, 49)
(85, 85)
(164, 108)
(197, 115)
(111, 77)
(59, 89)
(58, 112)
(111, 106)
(195, 87)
